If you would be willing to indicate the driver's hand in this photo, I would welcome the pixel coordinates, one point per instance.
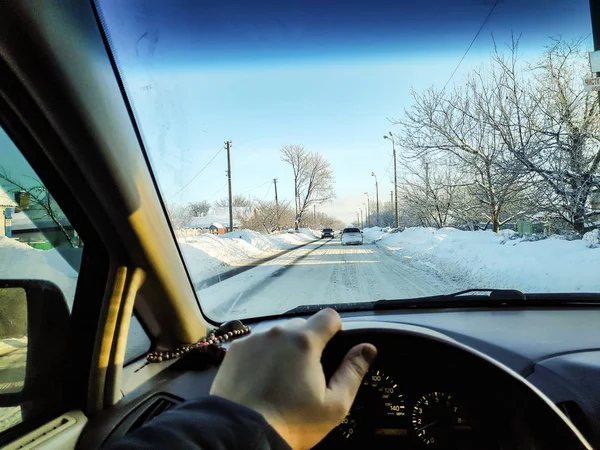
(279, 375)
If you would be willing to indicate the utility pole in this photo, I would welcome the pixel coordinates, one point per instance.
(391, 198)
(377, 197)
(368, 210)
(228, 144)
(315, 215)
(362, 225)
(276, 204)
(390, 136)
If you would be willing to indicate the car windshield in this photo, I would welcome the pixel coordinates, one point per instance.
(462, 138)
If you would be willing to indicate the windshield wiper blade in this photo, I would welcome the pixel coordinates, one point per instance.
(491, 298)
(469, 298)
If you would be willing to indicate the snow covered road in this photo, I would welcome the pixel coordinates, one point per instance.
(321, 272)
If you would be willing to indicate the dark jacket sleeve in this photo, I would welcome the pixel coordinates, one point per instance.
(211, 423)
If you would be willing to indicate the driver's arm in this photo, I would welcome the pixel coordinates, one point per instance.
(270, 393)
(210, 423)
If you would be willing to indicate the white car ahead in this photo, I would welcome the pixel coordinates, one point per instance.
(352, 236)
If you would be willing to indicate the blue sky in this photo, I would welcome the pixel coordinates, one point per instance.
(326, 75)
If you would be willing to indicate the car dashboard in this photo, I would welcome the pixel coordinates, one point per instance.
(423, 394)
(419, 396)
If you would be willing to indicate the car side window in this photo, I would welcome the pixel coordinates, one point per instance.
(37, 241)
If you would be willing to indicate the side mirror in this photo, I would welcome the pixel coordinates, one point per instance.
(35, 345)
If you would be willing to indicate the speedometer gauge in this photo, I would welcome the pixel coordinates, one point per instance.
(438, 420)
(379, 396)
(386, 391)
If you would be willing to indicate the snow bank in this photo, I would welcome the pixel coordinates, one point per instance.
(270, 242)
(592, 238)
(20, 261)
(207, 254)
(483, 259)
(374, 233)
(309, 232)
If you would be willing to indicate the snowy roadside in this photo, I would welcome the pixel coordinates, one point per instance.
(207, 255)
(20, 261)
(484, 259)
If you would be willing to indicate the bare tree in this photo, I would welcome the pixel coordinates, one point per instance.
(441, 125)
(268, 216)
(320, 220)
(434, 194)
(296, 156)
(551, 125)
(199, 208)
(180, 215)
(313, 177)
(42, 204)
(237, 201)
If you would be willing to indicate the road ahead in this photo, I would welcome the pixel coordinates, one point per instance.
(321, 272)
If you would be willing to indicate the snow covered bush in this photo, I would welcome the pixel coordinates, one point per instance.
(592, 238)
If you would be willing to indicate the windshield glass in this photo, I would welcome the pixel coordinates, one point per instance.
(461, 138)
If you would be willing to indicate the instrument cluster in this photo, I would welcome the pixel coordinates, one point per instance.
(391, 410)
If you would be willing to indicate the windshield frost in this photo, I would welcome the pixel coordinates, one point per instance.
(460, 138)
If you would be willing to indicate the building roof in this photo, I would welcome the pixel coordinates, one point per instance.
(22, 222)
(217, 225)
(207, 221)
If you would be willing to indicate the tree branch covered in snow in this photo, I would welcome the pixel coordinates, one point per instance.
(551, 125)
(523, 138)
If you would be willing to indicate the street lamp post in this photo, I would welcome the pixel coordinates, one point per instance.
(368, 210)
(361, 219)
(366, 214)
(376, 196)
(390, 136)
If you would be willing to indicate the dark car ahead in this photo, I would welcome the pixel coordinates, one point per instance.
(327, 232)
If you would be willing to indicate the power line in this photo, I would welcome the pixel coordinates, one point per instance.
(220, 189)
(472, 42)
(197, 174)
(268, 190)
(258, 187)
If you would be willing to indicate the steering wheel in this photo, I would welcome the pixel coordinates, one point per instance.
(507, 413)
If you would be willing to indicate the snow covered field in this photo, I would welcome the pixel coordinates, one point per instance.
(20, 261)
(484, 259)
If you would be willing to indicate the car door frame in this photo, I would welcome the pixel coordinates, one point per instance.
(63, 104)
